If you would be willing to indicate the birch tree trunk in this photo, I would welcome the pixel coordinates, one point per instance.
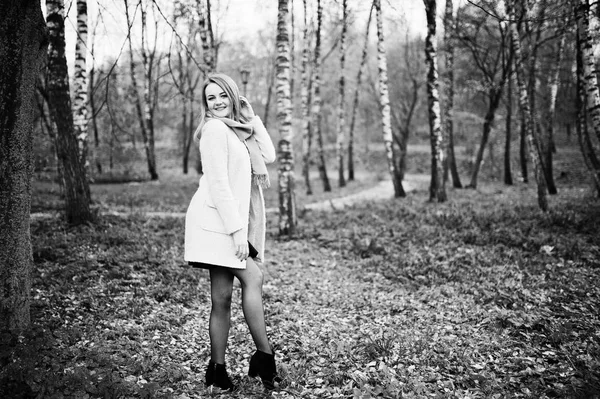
(149, 101)
(80, 88)
(77, 189)
(594, 28)
(342, 100)
(355, 102)
(525, 104)
(287, 201)
(543, 139)
(304, 105)
(142, 110)
(449, 32)
(316, 101)
(384, 102)
(92, 102)
(209, 53)
(292, 51)
(508, 180)
(585, 143)
(22, 50)
(589, 64)
(437, 190)
(206, 36)
(91, 91)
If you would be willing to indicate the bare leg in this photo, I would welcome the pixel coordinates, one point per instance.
(251, 279)
(221, 288)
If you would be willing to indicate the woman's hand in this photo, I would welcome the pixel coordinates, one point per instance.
(240, 240)
(246, 109)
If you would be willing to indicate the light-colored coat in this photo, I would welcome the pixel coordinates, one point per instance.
(221, 205)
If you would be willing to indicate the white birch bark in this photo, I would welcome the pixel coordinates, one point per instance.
(525, 106)
(286, 179)
(341, 104)
(80, 89)
(305, 105)
(437, 189)
(589, 65)
(594, 29)
(449, 32)
(206, 36)
(384, 102)
(585, 144)
(148, 65)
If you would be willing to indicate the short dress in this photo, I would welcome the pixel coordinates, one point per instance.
(253, 253)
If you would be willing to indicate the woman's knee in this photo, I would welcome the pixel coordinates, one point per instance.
(252, 276)
(221, 299)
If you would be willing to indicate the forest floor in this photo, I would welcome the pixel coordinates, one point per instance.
(483, 296)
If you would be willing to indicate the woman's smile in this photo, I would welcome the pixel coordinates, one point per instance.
(217, 101)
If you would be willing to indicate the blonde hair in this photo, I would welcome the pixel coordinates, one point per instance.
(233, 93)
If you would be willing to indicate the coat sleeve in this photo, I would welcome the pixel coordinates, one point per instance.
(264, 140)
(214, 154)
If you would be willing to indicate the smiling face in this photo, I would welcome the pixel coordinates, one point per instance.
(217, 101)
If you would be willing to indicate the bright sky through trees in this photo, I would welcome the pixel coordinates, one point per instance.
(234, 20)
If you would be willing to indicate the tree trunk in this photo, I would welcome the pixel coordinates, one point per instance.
(91, 84)
(22, 49)
(342, 102)
(523, 148)
(449, 32)
(304, 105)
(80, 88)
(355, 102)
(77, 189)
(585, 143)
(147, 63)
(524, 104)
(494, 95)
(437, 190)
(544, 140)
(589, 65)
(93, 111)
(287, 201)
(209, 52)
(509, 100)
(316, 106)
(143, 114)
(292, 51)
(384, 102)
(206, 36)
(549, 148)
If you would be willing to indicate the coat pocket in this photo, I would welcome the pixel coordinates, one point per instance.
(210, 219)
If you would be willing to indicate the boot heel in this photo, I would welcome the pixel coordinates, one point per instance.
(263, 365)
(216, 376)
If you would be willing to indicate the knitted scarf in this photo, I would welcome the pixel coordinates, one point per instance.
(245, 133)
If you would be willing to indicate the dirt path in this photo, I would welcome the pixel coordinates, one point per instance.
(384, 190)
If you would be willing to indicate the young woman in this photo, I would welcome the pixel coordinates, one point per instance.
(225, 222)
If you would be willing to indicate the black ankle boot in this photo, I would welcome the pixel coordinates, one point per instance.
(263, 365)
(216, 374)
